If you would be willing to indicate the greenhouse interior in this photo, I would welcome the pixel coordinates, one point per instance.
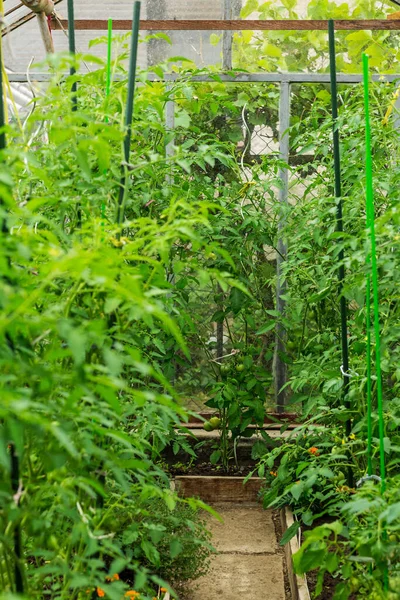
(199, 300)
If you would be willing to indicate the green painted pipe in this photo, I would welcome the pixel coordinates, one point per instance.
(72, 49)
(339, 226)
(129, 111)
(2, 118)
(374, 267)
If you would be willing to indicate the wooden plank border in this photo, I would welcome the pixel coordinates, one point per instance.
(233, 25)
(298, 584)
(219, 489)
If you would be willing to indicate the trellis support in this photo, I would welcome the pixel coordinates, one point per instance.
(280, 369)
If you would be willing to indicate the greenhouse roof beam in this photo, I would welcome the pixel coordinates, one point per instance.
(233, 25)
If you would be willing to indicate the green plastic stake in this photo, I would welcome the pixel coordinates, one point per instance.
(374, 267)
(109, 56)
(2, 117)
(129, 110)
(369, 366)
(108, 92)
(339, 228)
(72, 49)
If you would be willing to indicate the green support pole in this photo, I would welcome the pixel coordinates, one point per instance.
(108, 92)
(369, 365)
(374, 268)
(375, 287)
(129, 111)
(72, 49)
(339, 227)
(2, 118)
(109, 57)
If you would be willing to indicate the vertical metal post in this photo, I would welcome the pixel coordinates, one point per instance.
(156, 49)
(339, 221)
(397, 113)
(280, 369)
(170, 123)
(227, 38)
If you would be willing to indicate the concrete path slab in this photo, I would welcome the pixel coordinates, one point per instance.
(245, 528)
(249, 565)
(244, 577)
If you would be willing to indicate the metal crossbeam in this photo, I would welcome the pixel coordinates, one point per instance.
(239, 78)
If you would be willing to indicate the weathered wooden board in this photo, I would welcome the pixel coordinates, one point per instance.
(298, 584)
(236, 25)
(219, 489)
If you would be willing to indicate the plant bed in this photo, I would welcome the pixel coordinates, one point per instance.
(184, 464)
(271, 420)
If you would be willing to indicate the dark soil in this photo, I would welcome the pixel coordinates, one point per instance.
(184, 464)
(330, 582)
(205, 468)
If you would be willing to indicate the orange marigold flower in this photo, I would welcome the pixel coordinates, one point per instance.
(132, 594)
(163, 590)
(114, 577)
(273, 473)
(314, 451)
(100, 593)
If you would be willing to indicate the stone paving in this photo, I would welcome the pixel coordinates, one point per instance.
(248, 565)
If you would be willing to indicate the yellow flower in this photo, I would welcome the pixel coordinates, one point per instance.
(100, 593)
(352, 436)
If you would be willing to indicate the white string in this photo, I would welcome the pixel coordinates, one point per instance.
(350, 373)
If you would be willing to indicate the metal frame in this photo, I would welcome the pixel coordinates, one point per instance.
(237, 78)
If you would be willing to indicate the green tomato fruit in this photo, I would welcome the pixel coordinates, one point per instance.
(53, 542)
(341, 476)
(207, 426)
(393, 537)
(240, 367)
(291, 345)
(215, 422)
(225, 369)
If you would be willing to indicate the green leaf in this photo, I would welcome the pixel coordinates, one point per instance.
(215, 39)
(215, 457)
(266, 328)
(175, 548)
(290, 533)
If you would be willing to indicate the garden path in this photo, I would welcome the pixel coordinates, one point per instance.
(249, 563)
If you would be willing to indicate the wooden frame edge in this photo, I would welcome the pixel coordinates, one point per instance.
(298, 584)
(233, 25)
